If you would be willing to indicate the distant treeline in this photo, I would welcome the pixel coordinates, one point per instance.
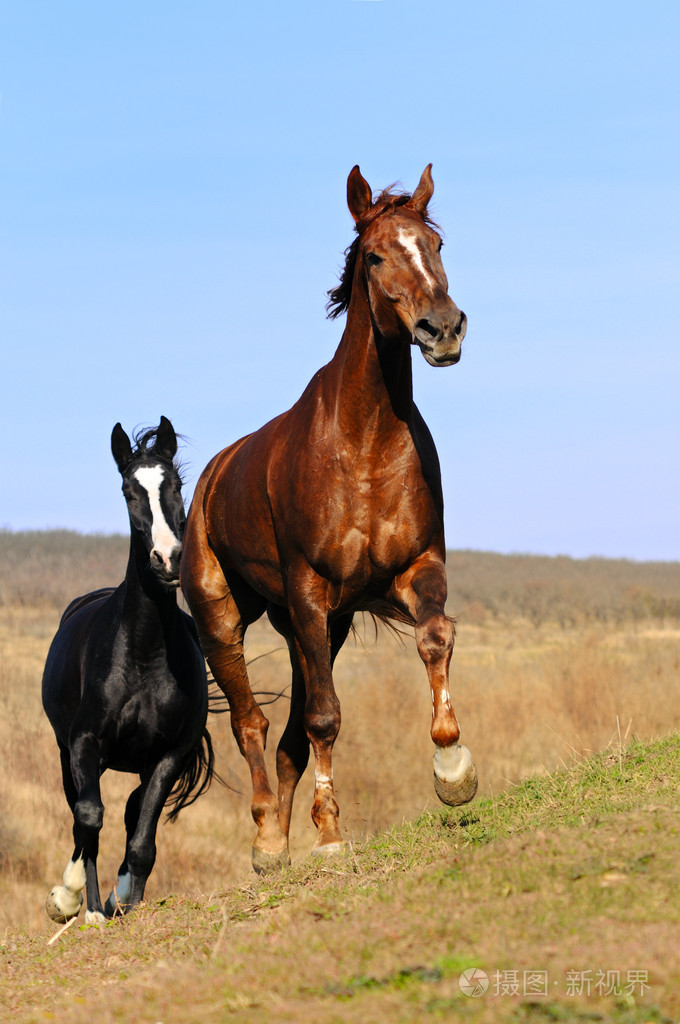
(49, 568)
(568, 591)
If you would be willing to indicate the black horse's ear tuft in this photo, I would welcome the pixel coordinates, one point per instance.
(166, 440)
(121, 449)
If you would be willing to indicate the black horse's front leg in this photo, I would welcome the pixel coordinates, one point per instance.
(80, 772)
(119, 897)
(140, 853)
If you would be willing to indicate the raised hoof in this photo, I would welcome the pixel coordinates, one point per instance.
(455, 776)
(330, 849)
(265, 863)
(62, 904)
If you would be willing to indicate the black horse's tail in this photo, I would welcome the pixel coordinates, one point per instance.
(199, 771)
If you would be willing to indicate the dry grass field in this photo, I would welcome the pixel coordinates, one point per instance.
(554, 659)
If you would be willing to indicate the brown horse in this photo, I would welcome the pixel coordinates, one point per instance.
(336, 507)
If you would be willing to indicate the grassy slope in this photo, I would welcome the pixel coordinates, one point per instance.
(575, 871)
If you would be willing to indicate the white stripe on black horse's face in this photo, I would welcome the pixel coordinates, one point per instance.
(152, 491)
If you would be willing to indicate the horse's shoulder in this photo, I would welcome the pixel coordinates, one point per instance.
(84, 601)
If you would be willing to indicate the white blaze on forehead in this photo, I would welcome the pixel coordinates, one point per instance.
(162, 537)
(410, 243)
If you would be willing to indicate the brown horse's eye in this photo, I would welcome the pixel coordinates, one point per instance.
(373, 259)
(440, 246)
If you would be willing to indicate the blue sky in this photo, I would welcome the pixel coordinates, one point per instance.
(172, 212)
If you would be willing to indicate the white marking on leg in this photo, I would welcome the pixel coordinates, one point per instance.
(323, 780)
(74, 875)
(163, 539)
(410, 243)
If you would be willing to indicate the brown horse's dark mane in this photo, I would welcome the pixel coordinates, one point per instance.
(386, 202)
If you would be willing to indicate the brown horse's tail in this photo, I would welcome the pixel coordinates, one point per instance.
(198, 773)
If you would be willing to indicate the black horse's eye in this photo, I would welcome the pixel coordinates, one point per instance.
(373, 259)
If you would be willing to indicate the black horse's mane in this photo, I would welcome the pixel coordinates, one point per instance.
(386, 202)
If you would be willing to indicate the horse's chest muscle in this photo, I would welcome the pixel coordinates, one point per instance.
(378, 519)
(143, 705)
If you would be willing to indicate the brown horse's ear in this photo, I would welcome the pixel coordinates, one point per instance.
(423, 192)
(121, 449)
(359, 196)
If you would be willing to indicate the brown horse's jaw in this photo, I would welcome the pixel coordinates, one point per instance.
(435, 356)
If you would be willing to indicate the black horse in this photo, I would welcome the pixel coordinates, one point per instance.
(125, 687)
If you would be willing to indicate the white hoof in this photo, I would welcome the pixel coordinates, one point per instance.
(455, 776)
(95, 918)
(62, 904)
(330, 849)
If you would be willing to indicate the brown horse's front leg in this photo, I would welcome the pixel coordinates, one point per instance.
(422, 591)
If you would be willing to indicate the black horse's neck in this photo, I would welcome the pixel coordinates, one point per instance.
(148, 605)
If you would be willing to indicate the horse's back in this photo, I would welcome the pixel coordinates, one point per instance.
(229, 522)
(62, 682)
(84, 600)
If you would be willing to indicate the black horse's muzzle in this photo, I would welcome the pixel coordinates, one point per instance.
(166, 567)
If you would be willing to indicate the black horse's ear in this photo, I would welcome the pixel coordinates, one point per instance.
(166, 440)
(359, 197)
(423, 192)
(121, 449)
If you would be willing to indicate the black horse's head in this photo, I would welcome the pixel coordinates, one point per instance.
(153, 491)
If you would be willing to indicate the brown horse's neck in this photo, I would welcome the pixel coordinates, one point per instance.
(375, 379)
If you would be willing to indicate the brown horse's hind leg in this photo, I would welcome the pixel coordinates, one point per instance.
(293, 750)
(292, 753)
(227, 662)
(422, 591)
(314, 648)
(221, 629)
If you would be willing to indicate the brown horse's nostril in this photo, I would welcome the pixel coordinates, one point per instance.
(461, 326)
(426, 332)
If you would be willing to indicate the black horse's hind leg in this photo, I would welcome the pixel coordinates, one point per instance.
(119, 897)
(140, 853)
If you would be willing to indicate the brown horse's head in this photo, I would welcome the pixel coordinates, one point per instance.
(398, 253)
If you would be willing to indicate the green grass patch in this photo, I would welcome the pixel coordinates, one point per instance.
(576, 870)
